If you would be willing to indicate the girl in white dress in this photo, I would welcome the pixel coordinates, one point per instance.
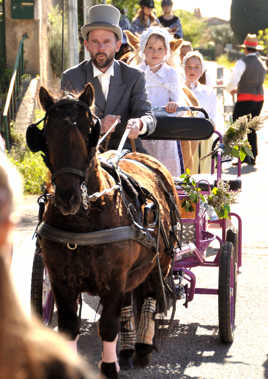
(163, 88)
(194, 67)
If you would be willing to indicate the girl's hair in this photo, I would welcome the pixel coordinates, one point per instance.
(194, 54)
(141, 16)
(27, 348)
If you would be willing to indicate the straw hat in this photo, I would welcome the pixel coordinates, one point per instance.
(105, 17)
(251, 42)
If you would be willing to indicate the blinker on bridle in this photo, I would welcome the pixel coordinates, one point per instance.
(67, 170)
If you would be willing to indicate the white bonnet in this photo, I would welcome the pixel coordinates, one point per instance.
(155, 30)
(194, 54)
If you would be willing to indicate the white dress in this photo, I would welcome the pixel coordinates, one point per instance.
(207, 100)
(162, 87)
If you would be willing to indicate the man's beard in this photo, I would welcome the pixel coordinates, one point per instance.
(104, 62)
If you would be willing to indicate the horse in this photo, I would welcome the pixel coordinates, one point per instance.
(109, 228)
(133, 58)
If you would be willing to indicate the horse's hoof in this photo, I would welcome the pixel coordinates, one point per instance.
(126, 359)
(143, 354)
(109, 370)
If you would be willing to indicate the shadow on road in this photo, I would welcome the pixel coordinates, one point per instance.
(183, 348)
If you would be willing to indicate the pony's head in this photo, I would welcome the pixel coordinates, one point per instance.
(68, 142)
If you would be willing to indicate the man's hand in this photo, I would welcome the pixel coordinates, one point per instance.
(135, 126)
(171, 107)
(233, 92)
(108, 121)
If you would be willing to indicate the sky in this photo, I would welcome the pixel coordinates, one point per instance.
(209, 8)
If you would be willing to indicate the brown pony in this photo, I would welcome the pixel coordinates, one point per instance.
(107, 229)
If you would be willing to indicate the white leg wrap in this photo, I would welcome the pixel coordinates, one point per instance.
(73, 343)
(109, 351)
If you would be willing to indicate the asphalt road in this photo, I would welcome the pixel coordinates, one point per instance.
(193, 349)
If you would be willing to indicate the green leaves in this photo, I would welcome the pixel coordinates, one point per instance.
(192, 191)
(235, 138)
(220, 196)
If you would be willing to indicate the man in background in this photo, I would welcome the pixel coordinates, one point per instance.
(246, 82)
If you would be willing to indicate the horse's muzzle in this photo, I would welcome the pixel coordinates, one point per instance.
(67, 202)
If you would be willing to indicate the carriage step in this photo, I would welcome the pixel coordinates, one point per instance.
(187, 250)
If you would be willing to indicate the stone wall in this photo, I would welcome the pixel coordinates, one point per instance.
(15, 28)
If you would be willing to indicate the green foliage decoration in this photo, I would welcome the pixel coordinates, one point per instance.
(219, 198)
(192, 191)
(235, 142)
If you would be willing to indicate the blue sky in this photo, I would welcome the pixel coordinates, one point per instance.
(209, 8)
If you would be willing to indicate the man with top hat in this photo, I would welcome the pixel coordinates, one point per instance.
(120, 93)
(247, 82)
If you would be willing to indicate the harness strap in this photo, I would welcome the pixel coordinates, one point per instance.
(100, 237)
(68, 170)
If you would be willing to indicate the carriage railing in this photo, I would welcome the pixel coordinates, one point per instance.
(11, 103)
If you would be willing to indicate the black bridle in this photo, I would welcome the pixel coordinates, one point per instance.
(68, 170)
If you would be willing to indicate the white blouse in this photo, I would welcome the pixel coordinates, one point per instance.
(207, 99)
(163, 85)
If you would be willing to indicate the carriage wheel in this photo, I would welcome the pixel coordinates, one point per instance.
(232, 236)
(42, 298)
(227, 292)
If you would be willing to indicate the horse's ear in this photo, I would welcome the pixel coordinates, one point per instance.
(87, 96)
(175, 44)
(45, 98)
(132, 39)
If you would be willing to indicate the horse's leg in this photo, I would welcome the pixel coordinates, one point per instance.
(109, 325)
(145, 333)
(127, 333)
(68, 320)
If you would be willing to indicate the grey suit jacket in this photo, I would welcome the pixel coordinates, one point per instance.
(127, 96)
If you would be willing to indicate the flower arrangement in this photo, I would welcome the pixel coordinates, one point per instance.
(192, 191)
(220, 197)
(235, 141)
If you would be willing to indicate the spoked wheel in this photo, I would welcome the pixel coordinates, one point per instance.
(227, 292)
(42, 298)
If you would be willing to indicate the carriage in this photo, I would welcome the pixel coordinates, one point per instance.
(190, 251)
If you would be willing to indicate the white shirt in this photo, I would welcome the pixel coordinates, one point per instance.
(237, 72)
(163, 85)
(104, 78)
(207, 99)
